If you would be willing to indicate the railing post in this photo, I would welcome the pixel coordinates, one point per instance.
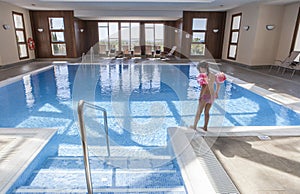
(106, 132)
(85, 148)
(81, 104)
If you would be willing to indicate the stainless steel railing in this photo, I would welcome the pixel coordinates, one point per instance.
(80, 107)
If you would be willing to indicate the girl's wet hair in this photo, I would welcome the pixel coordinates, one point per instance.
(203, 64)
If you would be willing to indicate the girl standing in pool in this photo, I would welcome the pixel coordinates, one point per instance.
(208, 93)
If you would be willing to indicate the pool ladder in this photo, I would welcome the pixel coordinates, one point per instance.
(80, 111)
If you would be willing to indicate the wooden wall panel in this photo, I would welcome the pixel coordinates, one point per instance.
(214, 41)
(39, 19)
(91, 35)
(80, 35)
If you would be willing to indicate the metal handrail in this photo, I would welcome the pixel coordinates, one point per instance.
(80, 107)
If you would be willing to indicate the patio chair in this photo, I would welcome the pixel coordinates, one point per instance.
(294, 67)
(170, 54)
(287, 62)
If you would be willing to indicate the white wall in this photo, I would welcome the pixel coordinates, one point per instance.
(287, 30)
(266, 41)
(259, 46)
(8, 44)
(250, 15)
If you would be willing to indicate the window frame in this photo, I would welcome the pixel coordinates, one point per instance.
(296, 35)
(199, 31)
(129, 28)
(230, 37)
(108, 37)
(59, 42)
(24, 33)
(154, 46)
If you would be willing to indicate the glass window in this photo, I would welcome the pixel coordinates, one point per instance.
(234, 36)
(58, 44)
(198, 49)
(110, 39)
(103, 37)
(159, 37)
(57, 37)
(199, 23)
(20, 35)
(149, 36)
(113, 34)
(135, 35)
(125, 37)
(154, 37)
(232, 51)
(56, 23)
(236, 22)
(113, 30)
(18, 20)
(59, 49)
(199, 37)
(23, 50)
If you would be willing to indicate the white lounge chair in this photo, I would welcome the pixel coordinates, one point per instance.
(294, 67)
(287, 62)
(170, 53)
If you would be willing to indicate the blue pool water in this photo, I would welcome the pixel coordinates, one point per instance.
(44, 99)
(142, 101)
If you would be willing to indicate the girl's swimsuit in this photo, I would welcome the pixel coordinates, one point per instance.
(207, 98)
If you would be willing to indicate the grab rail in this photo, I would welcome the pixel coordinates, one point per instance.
(80, 107)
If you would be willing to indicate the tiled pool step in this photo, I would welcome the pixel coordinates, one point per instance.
(109, 163)
(122, 151)
(115, 174)
(113, 178)
(174, 190)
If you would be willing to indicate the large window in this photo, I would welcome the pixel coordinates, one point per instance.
(234, 36)
(198, 36)
(130, 36)
(20, 35)
(108, 36)
(110, 40)
(57, 34)
(154, 37)
(296, 39)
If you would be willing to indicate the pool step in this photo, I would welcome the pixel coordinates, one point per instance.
(139, 180)
(113, 174)
(108, 163)
(115, 151)
(174, 190)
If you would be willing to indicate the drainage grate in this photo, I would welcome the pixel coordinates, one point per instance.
(264, 137)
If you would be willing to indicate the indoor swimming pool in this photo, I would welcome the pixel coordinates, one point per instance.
(142, 100)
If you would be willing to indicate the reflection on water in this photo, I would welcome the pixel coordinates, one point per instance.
(61, 74)
(28, 91)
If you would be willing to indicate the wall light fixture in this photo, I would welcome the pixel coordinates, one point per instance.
(270, 27)
(6, 26)
(246, 27)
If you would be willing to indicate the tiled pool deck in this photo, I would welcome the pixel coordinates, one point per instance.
(266, 165)
(18, 148)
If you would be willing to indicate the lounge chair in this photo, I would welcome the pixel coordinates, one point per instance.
(170, 54)
(294, 67)
(287, 62)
